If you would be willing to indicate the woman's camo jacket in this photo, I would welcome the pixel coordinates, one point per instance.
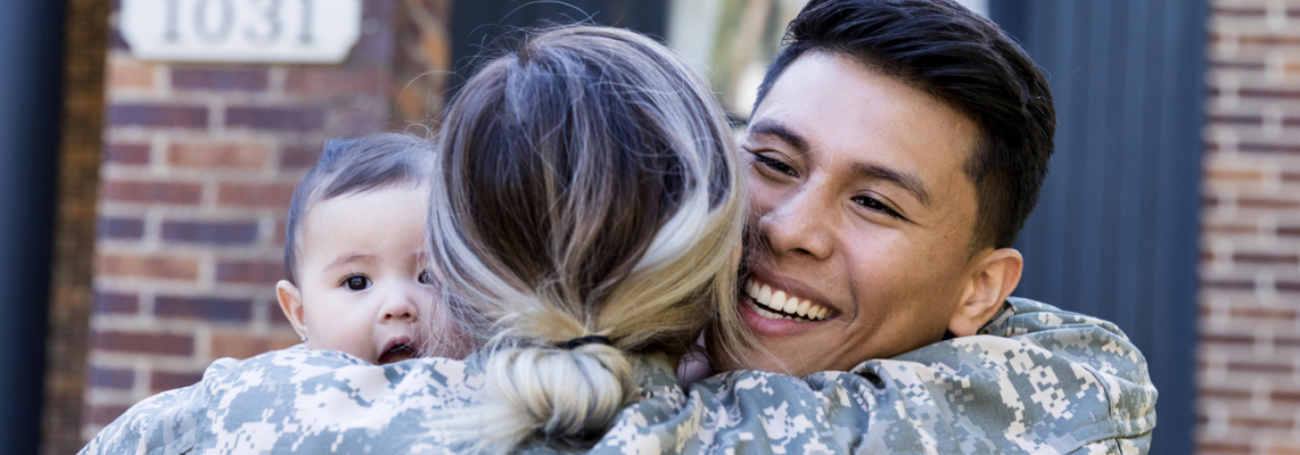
(1037, 380)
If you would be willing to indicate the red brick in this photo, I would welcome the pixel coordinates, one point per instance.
(275, 118)
(1287, 286)
(126, 153)
(1224, 394)
(274, 195)
(119, 228)
(1232, 285)
(217, 233)
(243, 346)
(281, 232)
(1267, 203)
(275, 315)
(204, 308)
(1258, 147)
(218, 155)
(1287, 314)
(1288, 231)
(128, 74)
(1237, 65)
(1215, 228)
(1268, 40)
(112, 378)
(233, 271)
(1222, 447)
(1265, 258)
(1238, 11)
(103, 414)
(317, 81)
(144, 343)
(299, 157)
(1236, 119)
(1227, 338)
(220, 79)
(158, 115)
(1268, 94)
(1260, 368)
(162, 381)
(109, 302)
(1284, 396)
(1291, 177)
(1233, 174)
(165, 192)
(1261, 422)
(164, 267)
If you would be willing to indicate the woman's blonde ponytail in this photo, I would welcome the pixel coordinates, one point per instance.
(561, 393)
(587, 189)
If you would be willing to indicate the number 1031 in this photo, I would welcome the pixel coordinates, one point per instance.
(256, 22)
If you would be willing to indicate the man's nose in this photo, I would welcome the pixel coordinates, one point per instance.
(799, 225)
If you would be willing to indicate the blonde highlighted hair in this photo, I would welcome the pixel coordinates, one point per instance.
(587, 185)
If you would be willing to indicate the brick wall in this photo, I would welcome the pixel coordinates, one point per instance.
(199, 164)
(1249, 379)
(78, 182)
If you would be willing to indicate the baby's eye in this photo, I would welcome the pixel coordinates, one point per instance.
(357, 282)
(425, 277)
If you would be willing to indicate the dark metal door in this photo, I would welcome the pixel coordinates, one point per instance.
(1116, 232)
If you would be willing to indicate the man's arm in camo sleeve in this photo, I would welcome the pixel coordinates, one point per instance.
(1041, 380)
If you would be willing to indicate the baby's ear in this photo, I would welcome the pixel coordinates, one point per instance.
(291, 303)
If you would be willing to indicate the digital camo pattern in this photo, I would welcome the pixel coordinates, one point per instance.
(1040, 380)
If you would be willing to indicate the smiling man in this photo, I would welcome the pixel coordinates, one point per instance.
(894, 154)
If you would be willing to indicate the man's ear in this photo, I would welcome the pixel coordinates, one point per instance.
(291, 303)
(993, 278)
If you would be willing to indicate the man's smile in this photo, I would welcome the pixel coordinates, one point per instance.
(774, 303)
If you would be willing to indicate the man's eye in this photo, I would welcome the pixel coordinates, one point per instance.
(873, 204)
(357, 282)
(426, 277)
(776, 165)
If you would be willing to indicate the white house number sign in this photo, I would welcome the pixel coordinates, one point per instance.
(289, 31)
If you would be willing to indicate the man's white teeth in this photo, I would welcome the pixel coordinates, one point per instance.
(783, 306)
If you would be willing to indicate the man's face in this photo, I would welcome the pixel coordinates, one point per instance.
(861, 208)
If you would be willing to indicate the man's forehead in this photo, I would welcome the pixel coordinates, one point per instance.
(828, 102)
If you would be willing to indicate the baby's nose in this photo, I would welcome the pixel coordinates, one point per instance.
(400, 313)
(400, 308)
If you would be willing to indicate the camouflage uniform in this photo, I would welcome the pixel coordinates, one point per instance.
(1037, 380)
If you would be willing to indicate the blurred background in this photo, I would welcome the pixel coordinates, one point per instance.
(145, 194)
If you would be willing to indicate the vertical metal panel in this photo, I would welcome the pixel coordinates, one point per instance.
(1115, 233)
(31, 49)
(479, 26)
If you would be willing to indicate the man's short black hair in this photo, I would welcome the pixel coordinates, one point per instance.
(965, 61)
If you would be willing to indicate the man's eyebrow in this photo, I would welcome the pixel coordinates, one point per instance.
(904, 180)
(350, 259)
(773, 128)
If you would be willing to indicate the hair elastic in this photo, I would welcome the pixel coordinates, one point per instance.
(589, 339)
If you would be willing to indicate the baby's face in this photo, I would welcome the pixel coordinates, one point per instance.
(363, 277)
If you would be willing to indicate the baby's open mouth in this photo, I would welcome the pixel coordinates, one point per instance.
(398, 352)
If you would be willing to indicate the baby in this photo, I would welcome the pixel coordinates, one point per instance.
(358, 277)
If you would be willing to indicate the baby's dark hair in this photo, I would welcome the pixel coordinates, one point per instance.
(349, 166)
